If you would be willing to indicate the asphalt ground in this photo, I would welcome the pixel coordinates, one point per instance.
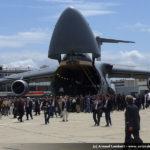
(79, 129)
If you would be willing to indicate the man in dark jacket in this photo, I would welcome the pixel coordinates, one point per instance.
(15, 110)
(46, 107)
(37, 106)
(138, 101)
(107, 109)
(78, 104)
(54, 104)
(132, 121)
(29, 106)
(143, 101)
(20, 109)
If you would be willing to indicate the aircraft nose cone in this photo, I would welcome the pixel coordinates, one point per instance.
(72, 34)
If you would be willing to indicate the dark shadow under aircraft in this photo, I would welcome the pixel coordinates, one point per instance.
(77, 72)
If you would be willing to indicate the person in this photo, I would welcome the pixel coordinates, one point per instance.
(73, 104)
(46, 107)
(6, 105)
(123, 102)
(1, 108)
(87, 101)
(57, 106)
(65, 108)
(143, 101)
(138, 101)
(15, 110)
(1, 101)
(20, 109)
(82, 103)
(107, 109)
(147, 99)
(53, 106)
(11, 105)
(60, 100)
(78, 104)
(97, 110)
(37, 107)
(118, 101)
(132, 122)
(29, 106)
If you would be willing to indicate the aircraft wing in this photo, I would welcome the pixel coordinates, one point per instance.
(128, 73)
(31, 76)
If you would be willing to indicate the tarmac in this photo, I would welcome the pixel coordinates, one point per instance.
(79, 129)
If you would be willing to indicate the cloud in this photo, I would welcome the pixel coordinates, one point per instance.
(8, 5)
(137, 26)
(62, 1)
(146, 29)
(97, 33)
(87, 8)
(88, 13)
(132, 58)
(23, 63)
(25, 59)
(21, 39)
(129, 59)
(95, 8)
(134, 54)
(9, 43)
(88, 5)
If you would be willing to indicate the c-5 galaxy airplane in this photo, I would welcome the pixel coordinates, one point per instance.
(77, 72)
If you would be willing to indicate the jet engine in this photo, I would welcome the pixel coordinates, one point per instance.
(20, 87)
(148, 83)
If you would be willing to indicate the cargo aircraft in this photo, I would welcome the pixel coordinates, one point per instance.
(76, 73)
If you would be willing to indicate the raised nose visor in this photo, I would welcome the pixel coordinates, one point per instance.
(72, 34)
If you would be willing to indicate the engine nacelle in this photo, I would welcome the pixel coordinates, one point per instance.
(148, 83)
(20, 87)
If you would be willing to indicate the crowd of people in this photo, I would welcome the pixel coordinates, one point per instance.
(62, 105)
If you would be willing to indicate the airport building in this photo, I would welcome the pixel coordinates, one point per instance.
(130, 86)
(142, 84)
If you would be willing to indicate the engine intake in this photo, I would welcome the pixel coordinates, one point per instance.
(20, 87)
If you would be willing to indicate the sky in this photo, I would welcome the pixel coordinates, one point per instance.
(26, 27)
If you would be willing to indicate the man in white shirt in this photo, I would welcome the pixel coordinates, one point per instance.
(65, 108)
(97, 110)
